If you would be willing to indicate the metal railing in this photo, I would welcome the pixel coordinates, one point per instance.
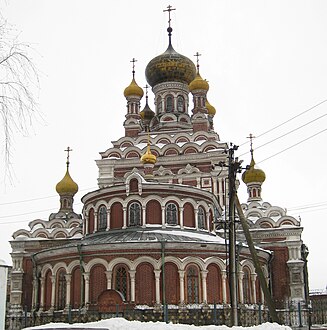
(296, 316)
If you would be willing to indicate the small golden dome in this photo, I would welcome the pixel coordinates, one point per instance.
(148, 157)
(211, 109)
(133, 89)
(253, 174)
(67, 185)
(198, 83)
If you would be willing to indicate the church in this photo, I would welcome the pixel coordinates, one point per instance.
(151, 242)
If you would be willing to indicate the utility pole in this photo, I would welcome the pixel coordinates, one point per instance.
(233, 168)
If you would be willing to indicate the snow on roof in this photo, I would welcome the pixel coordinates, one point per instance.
(196, 235)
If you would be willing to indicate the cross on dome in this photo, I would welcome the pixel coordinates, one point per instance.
(169, 29)
(133, 66)
(169, 10)
(253, 176)
(251, 137)
(68, 150)
(133, 88)
(146, 90)
(67, 187)
(197, 60)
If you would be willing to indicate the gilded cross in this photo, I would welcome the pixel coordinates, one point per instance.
(146, 90)
(68, 150)
(169, 9)
(133, 61)
(251, 137)
(197, 60)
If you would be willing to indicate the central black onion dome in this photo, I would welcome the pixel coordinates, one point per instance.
(170, 66)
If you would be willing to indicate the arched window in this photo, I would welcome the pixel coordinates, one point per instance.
(247, 286)
(169, 103)
(102, 218)
(134, 214)
(180, 103)
(201, 218)
(171, 214)
(121, 281)
(192, 285)
(133, 185)
(159, 104)
(61, 290)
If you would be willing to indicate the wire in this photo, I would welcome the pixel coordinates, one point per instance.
(307, 206)
(40, 198)
(287, 121)
(27, 213)
(314, 210)
(308, 138)
(10, 222)
(283, 135)
(28, 200)
(17, 215)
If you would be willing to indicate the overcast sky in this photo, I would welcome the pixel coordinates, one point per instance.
(266, 62)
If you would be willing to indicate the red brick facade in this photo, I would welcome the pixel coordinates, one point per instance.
(155, 231)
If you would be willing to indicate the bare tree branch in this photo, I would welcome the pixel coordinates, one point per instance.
(19, 82)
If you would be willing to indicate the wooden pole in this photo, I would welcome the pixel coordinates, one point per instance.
(258, 269)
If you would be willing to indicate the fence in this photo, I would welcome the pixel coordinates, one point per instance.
(294, 316)
(319, 309)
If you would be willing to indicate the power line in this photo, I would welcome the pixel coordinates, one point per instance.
(308, 138)
(289, 132)
(28, 200)
(11, 222)
(307, 206)
(287, 121)
(313, 210)
(27, 213)
(40, 198)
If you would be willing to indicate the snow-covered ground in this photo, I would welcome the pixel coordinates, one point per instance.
(120, 323)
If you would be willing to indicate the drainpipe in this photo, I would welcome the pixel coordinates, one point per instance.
(79, 249)
(36, 283)
(304, 254)
(270, 272)
(163, 286)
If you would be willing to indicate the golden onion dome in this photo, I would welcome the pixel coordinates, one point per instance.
(67, 185)
(148, 157)
(211, 109)
(198, 83)
(170, 66)
(133, 89)
(253, 174)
